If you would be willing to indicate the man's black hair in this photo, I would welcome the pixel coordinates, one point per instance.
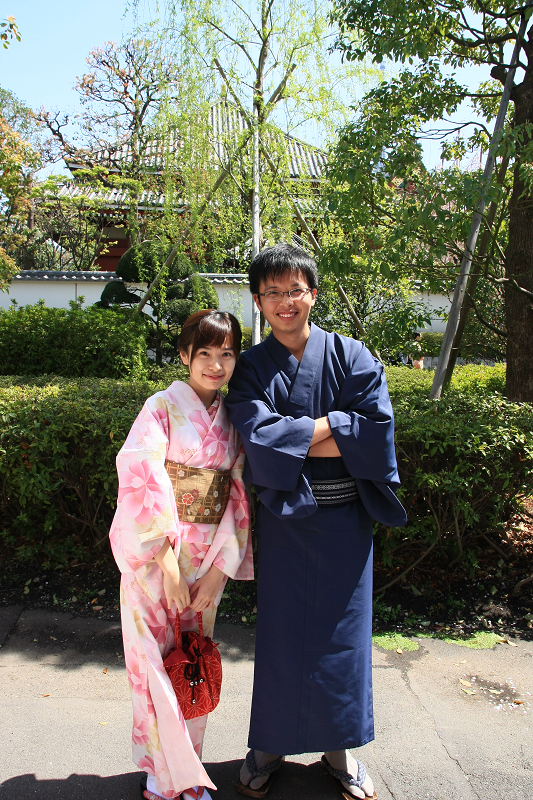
(279, 260)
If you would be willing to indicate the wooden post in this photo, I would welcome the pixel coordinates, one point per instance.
(460, 286)
(256, 221)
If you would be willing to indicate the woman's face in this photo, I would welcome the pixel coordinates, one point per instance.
(210, 369)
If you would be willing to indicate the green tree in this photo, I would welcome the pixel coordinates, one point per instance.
(179, 295)
(429, 214)
(9, 31)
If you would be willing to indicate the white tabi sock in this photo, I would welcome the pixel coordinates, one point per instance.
(150, 785)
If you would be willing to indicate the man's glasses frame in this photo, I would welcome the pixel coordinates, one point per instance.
(274, 296)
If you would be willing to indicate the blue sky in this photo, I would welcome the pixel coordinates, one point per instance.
(57, 36)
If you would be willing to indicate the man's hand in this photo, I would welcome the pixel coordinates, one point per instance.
(327, 448)
(206, 588)
(322, 430)
(174, 584)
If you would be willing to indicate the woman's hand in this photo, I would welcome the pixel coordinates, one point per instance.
(205, 590)
(176, 589)
(174, 584)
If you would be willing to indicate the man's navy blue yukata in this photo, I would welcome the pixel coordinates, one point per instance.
(313, 680)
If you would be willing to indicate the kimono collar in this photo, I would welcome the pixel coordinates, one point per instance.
(302, 374)
(188, 396)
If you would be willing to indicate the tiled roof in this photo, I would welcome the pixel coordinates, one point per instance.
(226, 121)
(112, 197)
(102, 277)
(64, 275)
(220, 278)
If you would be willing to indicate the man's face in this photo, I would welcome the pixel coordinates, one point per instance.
(284, 314)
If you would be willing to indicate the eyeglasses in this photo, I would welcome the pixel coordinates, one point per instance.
(274, 296)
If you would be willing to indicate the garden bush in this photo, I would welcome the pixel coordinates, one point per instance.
(78, 342)
(58, 443)
(465, 461)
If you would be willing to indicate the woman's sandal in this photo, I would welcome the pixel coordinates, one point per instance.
(146, 794)
(337, 776)
(269, 769)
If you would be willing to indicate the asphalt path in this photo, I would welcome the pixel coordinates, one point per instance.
(65, 718)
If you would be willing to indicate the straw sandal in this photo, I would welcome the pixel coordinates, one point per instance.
(269, 769)
(337, 776)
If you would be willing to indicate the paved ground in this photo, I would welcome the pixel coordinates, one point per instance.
(65, 723)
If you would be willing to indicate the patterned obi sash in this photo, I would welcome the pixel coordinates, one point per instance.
(201, 494)
(334, 492)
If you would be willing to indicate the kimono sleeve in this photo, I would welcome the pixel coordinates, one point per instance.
(363, 429)
(363, 424)
(231, 549)
(276, 446)
(146, 509)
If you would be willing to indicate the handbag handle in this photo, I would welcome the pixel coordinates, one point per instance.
(177, 627)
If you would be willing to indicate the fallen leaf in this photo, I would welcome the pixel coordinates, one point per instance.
(416, 591)
(45, 695)
(27, 582)
(36, 640)
(400, 651)
(73, 599)
(468, 691)
(101, 592)
(105, 671)
(94, 601)
(97, 608)
(53, 638)
(254, 610)
(104, 723)
(518, 702)
(26, 590)
(244, 619)
(496, 691)
(508, 641)
(465, 683)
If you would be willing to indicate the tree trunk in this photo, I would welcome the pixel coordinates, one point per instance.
(519, 260)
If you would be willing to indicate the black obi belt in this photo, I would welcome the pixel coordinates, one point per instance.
(334, 492)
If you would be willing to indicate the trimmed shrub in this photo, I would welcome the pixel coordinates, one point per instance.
(58, 443)
(79, 342)
(465, 461)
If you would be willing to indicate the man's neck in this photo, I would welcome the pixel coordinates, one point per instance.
(295, 343)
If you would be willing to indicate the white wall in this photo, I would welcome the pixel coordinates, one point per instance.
(55, 293)
(234, 298)
(433, 303)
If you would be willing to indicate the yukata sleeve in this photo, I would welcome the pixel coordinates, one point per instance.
(363, 424)
(146, 510)
(363, 429)
(276, 446)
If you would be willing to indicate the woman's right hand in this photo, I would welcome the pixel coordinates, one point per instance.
(174, 584)
(176, 589)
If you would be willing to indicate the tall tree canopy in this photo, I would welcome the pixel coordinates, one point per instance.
(423, 214)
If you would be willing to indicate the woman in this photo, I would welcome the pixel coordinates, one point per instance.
(170, 559)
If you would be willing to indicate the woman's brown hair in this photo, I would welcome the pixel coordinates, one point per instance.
(210, 328)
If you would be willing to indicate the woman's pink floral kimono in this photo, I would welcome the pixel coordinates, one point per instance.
(173, 425)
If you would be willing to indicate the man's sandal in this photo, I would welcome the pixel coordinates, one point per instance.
(269, 769)
(337, 777)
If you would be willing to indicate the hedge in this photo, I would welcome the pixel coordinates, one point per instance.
(464, 461)
(78, 342)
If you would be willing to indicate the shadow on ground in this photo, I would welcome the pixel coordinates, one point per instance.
(295, 780)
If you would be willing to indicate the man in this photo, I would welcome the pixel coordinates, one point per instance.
(316, 422)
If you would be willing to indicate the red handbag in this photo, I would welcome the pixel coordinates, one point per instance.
(195, 671)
